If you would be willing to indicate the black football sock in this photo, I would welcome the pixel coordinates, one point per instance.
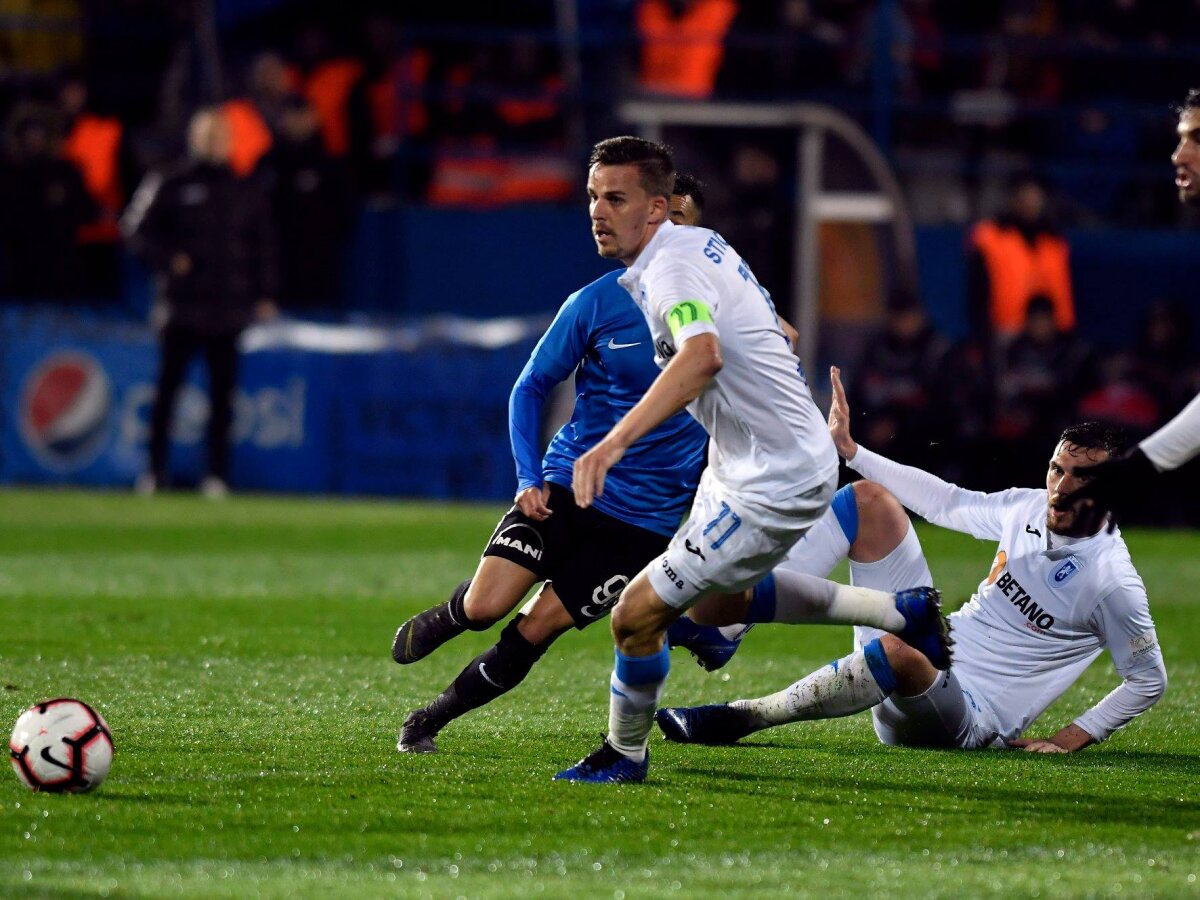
(495, 671)
(457, 607)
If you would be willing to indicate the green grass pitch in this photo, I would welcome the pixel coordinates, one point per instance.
(239, 651)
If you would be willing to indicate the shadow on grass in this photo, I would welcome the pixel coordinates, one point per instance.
(959, 790)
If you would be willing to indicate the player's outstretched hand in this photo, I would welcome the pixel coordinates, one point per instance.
(587, 479)
(1038, 747)
(839, 417)
(533, 501)
(1116, 484)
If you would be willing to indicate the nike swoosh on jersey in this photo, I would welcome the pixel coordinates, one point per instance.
(613, 345)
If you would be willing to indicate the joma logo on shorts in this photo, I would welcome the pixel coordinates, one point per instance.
(670, 573)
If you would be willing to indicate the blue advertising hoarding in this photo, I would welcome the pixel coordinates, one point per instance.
(419, 411)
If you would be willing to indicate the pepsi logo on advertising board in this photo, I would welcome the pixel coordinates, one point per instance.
(66, 410)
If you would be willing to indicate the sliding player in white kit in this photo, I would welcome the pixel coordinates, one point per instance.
(1062, 589)
(772, 467)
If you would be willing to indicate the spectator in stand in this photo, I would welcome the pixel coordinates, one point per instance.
(335, 87)
(1041, 376)
(396, 81)
(683, 45)
(45, 203)
(207, 235)
(1013, 258)
(509, 146)
(898, 383)
(95, 144)
(313, 210)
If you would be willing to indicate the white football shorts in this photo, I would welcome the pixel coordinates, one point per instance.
(952, 713)
(730, 543)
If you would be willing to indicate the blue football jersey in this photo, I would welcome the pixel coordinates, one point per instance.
(601, 335)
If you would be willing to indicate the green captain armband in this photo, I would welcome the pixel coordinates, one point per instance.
(686, 313)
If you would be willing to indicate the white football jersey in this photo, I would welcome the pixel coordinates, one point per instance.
(1047, 608)
(768, 441)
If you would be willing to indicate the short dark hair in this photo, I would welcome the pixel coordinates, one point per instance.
(688, 185)
(1191, 101)
(1095, 436)
(654, 162)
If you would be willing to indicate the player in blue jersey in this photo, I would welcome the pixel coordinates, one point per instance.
(585, 557)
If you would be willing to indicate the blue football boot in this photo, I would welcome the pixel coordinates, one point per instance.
(925, 628)
(705, 642)
(606, 765)
(716, 724)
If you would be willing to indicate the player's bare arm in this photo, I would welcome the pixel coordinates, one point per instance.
(685, 376)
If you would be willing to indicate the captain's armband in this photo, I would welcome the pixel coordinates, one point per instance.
(687, 312)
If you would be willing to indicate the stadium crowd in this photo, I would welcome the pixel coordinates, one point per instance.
(409, 107)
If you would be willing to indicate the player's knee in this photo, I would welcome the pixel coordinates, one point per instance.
(483, 608)
(631, 622)
(546, 620)
(913, 671)
(882, 522)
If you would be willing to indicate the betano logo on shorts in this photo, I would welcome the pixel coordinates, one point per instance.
(514, 541)
(65, 411)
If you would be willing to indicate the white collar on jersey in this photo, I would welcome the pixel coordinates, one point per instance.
(629, 278)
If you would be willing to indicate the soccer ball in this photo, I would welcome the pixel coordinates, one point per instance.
(61, 746)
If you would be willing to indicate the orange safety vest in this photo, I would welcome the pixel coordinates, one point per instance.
(681, 57)
(1018, 271)
(328, 90)
(249, 136)
(395, 98)
(93, 147)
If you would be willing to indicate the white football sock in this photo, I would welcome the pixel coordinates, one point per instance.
(841, 688)
(905, 567)
(806, 599)
(821, 549)
(631, 706)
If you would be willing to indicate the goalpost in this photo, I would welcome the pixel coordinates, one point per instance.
(812, 204)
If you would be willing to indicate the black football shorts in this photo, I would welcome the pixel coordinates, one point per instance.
(589, 556)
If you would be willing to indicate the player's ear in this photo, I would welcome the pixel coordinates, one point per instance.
(659, 210)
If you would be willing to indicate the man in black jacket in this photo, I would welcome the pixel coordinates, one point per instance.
(207, 235)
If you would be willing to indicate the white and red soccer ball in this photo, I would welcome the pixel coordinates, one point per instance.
(61, 746)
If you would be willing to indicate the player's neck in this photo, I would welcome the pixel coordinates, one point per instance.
(651, 231)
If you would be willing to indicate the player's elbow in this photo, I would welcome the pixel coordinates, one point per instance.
(1158, 684)
(705, 353)
(1151, 684)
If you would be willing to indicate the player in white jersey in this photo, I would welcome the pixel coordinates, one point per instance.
(772, 468)
(1062, 589)
(1118, 482)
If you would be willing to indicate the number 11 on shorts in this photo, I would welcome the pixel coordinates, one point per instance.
(720, 528)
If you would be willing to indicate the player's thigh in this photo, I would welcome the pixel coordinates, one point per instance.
(590, 577)
(944, 716)
(545, 617)
(497, 587)
(519, 554)
(729, 543)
